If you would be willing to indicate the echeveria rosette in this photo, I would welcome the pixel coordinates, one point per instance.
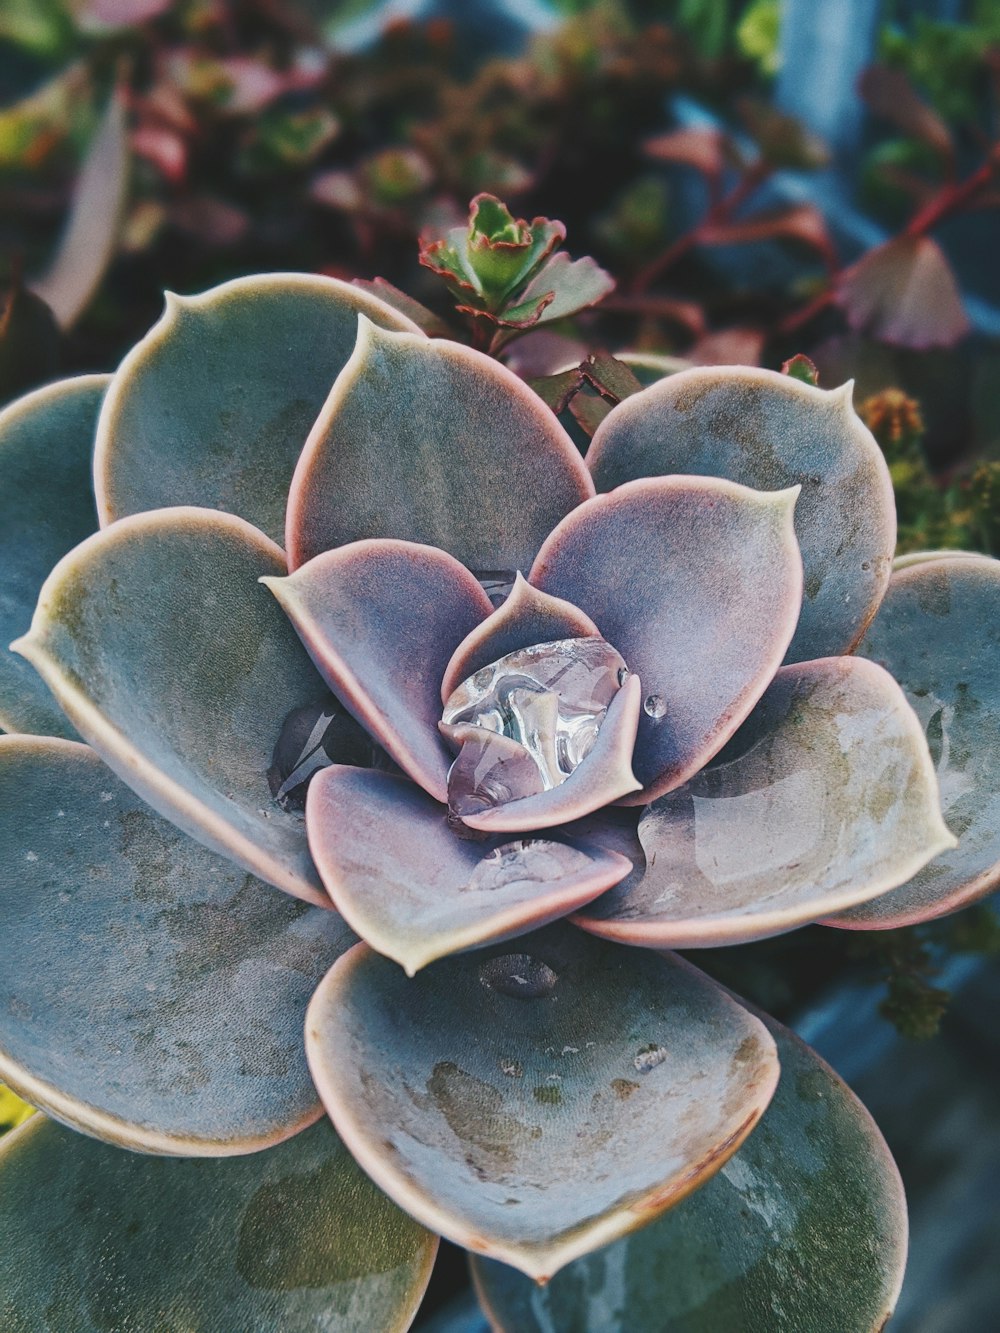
(711, 793)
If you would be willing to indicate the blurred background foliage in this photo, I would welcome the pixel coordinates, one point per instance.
(151, 144)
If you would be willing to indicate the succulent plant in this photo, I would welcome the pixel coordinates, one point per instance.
(653, 692)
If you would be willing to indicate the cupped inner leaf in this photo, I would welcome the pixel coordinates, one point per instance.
(484, 1092)
(399, 870)
(549, 699)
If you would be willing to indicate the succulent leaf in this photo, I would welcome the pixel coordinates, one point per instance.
(770, 431)
(381, 620)
(526, 617)
(179, 668)
(151, 994)
(826, 795)
(697, 582)
(415, 891)
(480, 1093)
(294, 1238)
(938, 633)
(806, 1225)
(46, 507)
(431, 442)
(212, 407)
(605, 775)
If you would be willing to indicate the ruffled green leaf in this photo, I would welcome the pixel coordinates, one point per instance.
(804, 1228)
(46, 507)
(296, 1238)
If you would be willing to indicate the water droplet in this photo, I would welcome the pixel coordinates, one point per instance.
(546, 705)
(311, 738)
(623, 675)
(655, 705)
(525, 861)
(648, 1057)
(512, 1068)
(518, 976)
(31, 856)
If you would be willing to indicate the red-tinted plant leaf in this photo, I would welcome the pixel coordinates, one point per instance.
(589, 410)
(611, 378)
(904, 292)
(728, 347)
(890, 95)
(88, 243)
(802, 223)
(801, 367)
(703, 149)
(433, 325)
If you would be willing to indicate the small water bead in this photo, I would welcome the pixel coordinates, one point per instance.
(525, 861)
(649, 1057)
(518, 976)
(655, 706)
(546, 702)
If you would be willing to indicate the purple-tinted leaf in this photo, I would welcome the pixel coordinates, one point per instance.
(697, 582)
(605, 775)
(481, 1093)
(526, 617)
(415, 890)
(432, 442)
(381, 620)
(825, 796)
(889, 93)
(769, 431)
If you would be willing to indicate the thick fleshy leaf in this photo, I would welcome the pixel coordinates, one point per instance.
(605, 775)
(297, 1238)
(826, 798)
(770, 431)
(527, 617)
(213, 406)
(481, 1093)
(804, 1228)
(381, 620)
(434, 443)
(938, 633)
(88, 244)
(697, 582)
(179, 669)
(416, 890)
(151, 993)
(46, 507)
(574, 285)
